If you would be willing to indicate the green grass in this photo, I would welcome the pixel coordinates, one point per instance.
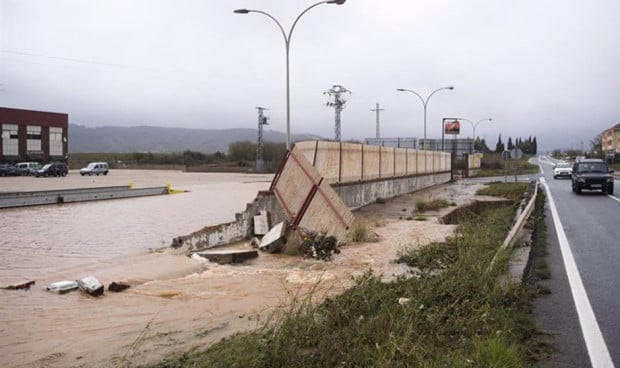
(432, 205)
(512, 191)
(359, 232)
(493, 165)
(459, 317)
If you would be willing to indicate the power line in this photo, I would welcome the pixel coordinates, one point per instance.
(94, 62)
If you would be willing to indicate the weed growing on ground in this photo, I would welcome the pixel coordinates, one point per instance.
(359, 232)
(512, 191)
(433, 205)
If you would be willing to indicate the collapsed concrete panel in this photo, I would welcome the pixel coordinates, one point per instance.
(302, 195)
(327, 213)
(294, 183)
(231, 232)
(308, 199)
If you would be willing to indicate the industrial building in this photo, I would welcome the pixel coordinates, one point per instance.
(33, 136)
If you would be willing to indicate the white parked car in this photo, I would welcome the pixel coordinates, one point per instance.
(562, 169)
(95, 168)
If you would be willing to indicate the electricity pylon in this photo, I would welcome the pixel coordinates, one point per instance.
(337, 91)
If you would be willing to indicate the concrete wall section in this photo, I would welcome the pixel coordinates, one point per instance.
(400, 161)
(386, 156)
(231, 232)
(351, 162)
(327, 213)
(307, 198)
(371, 163)
(356, 195)
(319, 182)
(327, 161)
(293, 184)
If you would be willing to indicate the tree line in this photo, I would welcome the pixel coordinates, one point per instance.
(241, 156)
(528, 146)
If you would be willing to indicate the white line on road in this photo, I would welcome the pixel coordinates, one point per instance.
(595, 343)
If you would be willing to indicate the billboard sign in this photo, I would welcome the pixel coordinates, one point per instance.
(452, 127)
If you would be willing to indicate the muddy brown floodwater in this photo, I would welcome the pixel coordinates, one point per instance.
(175, 302)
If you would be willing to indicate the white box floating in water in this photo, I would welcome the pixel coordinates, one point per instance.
(62, 287)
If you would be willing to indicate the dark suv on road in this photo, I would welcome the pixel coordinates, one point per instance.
(592, 174)
(52, 169)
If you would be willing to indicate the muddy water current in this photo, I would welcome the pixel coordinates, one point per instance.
(113, 240)
(175, 302)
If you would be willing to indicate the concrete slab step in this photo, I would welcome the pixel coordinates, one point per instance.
(228, 256)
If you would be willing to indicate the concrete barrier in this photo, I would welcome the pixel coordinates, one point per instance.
(36, 198)
(319, 182)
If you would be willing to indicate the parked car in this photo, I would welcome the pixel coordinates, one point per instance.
(95, 168)
(52, 169)
(8, 170)
(28, 168)
(562, 169)
(592, 174)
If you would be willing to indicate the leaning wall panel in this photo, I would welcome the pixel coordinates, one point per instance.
(295, 182)
(327, 212)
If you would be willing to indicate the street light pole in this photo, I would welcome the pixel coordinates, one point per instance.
(424, 103)
(474, 128)
(287, 43)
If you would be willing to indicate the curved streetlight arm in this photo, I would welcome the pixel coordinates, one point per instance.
(474, 128)
(435, 91)
(246, 11)
(414, 92)
(290, 33)
(475, 125)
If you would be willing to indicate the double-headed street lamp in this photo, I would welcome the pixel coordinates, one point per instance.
(287, 44)
(474, 125)
(424, 103)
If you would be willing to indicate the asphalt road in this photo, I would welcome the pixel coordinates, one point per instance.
(581, 313)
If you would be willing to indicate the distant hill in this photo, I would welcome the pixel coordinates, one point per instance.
(158, 139)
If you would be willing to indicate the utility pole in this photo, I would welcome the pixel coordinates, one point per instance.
(377, 109)
(338, 104)
(262, 120)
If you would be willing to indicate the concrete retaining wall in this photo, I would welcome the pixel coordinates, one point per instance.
(473, 162)
(320, 182)
(349, 162)
(359, 194)
(240, 229)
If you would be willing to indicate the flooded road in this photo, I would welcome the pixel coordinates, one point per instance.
(175, 302)
(113, 240)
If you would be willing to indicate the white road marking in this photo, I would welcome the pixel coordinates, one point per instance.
(595, 343)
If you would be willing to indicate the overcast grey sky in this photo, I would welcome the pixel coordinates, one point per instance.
(544, 68)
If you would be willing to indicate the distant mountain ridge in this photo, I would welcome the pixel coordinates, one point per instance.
(161, 140)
